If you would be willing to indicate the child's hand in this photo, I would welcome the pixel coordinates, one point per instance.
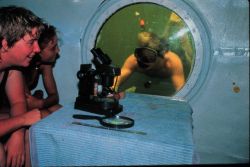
(32, 117)
(34, 102)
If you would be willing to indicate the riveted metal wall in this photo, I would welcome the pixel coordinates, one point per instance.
(219, 90)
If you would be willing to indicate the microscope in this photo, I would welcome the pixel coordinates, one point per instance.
(95, 93)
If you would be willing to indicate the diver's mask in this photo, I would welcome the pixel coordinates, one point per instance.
(145, 56)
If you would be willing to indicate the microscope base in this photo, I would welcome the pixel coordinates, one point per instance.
(102, 106)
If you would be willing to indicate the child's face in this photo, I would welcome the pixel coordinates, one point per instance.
(21, 53)
(50, 52)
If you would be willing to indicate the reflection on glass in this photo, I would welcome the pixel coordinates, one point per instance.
(153, 43)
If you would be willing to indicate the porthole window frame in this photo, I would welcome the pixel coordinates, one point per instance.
(189, 15)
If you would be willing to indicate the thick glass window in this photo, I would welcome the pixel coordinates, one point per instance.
(153, 43)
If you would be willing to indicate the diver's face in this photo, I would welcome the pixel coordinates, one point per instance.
(51, 51)
(145, 65)
(145, 57)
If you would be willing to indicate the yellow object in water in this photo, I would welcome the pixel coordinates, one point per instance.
(131, 89)
(174, 17)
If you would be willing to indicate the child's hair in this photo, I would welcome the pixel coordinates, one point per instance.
(47, 34)
(15, 22)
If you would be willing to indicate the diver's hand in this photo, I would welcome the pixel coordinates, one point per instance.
(117, 95)
(121, 95)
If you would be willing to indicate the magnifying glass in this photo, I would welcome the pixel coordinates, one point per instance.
(119, 122)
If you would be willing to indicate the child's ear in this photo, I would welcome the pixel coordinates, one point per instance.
(4, 44)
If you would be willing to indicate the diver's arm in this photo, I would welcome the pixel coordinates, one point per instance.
(127, 70)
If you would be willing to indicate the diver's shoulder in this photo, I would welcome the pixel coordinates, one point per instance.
(171, 54)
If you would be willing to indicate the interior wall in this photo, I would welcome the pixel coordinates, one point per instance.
(221, 106)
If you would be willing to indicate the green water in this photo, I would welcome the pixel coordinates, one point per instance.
(118, 38)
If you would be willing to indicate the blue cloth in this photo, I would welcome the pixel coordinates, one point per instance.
(162, 134)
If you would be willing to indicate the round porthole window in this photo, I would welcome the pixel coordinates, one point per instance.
(161, 47)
